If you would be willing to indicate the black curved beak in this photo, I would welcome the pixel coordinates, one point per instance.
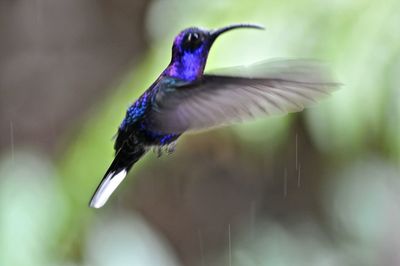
(215, 33)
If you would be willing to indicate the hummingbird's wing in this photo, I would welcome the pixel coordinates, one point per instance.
(269, 88)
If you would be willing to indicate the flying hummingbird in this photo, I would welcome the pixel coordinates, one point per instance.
(183, 99)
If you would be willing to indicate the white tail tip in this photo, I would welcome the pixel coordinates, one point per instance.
(106, 188)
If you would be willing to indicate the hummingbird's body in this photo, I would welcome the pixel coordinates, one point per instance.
(135, 127)
(135, 137)
(183, 98)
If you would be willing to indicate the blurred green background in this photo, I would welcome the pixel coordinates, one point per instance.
(319, 187)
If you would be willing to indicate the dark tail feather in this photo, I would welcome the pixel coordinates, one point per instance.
(115, 174)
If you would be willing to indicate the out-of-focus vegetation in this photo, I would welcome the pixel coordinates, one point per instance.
(316, 188)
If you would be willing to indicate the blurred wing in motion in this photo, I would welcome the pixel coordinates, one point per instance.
(269, 88)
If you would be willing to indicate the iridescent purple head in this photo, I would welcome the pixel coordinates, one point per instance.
(190, 50)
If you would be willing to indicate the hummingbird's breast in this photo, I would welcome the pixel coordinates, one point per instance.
(135, 124)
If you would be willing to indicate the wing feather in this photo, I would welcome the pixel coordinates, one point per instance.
(275, 88)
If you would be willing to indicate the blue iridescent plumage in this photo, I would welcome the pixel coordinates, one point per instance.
(184, 98)
(136, 122)
(135, 111)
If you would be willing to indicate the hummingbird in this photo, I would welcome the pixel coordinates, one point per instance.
(184, 98)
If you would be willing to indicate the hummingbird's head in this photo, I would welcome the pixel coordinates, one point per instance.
(190, 50)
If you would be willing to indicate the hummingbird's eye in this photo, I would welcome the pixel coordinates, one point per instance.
(192, 41)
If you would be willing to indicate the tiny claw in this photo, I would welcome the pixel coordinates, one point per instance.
(171, 147)
(159, 152)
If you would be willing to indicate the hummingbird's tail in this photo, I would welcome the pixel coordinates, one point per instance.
(123, 162)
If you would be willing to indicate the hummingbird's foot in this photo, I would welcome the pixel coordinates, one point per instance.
(171, 147)
(158, 150)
